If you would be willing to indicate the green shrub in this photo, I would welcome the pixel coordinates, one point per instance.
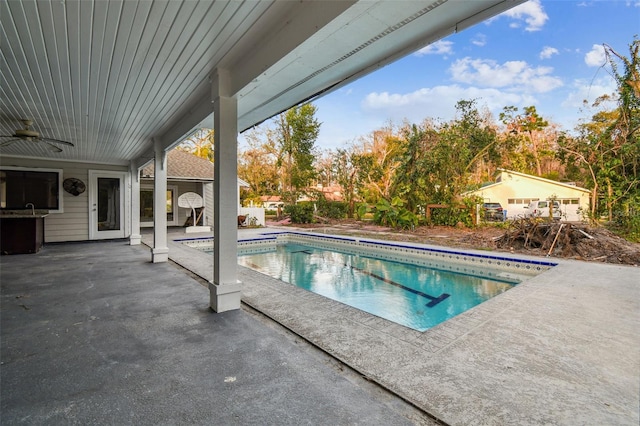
(627, 226)
(333, 209)
(361, 211)
(393, 214)
(451, 216)
(300, 212)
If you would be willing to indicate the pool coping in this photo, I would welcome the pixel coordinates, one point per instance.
(428, 368)
(419, 254)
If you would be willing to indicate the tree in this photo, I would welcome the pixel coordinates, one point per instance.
(529, 128)
(346, 172)
(377, 162)
(588, 151)
(452, 154)
(199, 143)
(325, 172)
(411, 182)
(609, 145)
(296, 134)
(257, 164)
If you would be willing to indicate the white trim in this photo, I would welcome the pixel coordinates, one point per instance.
(125, 204)
(64, 160)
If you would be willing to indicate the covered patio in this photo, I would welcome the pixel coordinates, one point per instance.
(93, 333)
(92, 91)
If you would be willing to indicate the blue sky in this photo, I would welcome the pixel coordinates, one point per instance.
(543, 53)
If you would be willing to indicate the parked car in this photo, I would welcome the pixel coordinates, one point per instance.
(541, 209)
(493, 212)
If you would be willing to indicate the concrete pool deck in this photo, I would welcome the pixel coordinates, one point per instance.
(560, 348)
(95, 333)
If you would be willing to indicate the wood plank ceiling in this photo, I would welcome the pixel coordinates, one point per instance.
(110, 76)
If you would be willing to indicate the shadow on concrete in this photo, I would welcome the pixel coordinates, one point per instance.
(93, 333)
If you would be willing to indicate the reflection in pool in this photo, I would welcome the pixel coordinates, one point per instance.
(414, 296)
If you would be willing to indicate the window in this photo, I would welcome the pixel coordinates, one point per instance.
(40, 187)
(524, 201)
(570, 201)
(146, 206)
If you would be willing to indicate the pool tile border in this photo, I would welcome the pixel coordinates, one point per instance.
(464, 262)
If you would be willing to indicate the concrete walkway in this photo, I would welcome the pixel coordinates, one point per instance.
(93, 333)
(562, 348)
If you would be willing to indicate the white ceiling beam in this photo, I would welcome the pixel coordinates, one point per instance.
(287, 32)
(183, 125)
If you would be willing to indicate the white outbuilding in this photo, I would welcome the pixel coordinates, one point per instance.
(515, 190)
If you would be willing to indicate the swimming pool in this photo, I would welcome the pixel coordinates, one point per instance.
(414, 286)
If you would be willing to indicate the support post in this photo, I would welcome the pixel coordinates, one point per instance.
(160, 251)
(135, 238)
(225, 290)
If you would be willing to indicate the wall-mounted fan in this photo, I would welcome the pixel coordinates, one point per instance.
(29, 135)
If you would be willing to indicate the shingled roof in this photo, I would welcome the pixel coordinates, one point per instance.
(184, 166)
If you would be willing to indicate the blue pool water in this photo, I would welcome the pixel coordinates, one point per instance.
(414, 296)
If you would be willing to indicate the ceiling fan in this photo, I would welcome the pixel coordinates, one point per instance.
(27, 134)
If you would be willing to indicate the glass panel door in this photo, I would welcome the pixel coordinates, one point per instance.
(146, 207)
(106, 204)
(170, 220)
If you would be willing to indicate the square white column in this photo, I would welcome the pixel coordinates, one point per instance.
(160, 251)
(225, 290)
(135, 238)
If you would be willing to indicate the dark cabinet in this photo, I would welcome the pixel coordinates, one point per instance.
(21, 234)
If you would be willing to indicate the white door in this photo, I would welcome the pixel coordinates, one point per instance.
(106, 204)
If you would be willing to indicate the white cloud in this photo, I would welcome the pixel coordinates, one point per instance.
(440, 47)
(438, 102)
(548, 52)
(589, 90)
(531, 12)
(479, 39)
(596, 57)
(516, 75)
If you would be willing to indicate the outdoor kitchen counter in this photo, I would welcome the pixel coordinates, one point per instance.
(22, 231)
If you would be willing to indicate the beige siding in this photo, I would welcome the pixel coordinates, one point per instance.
(208, 203)
(73, 223)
